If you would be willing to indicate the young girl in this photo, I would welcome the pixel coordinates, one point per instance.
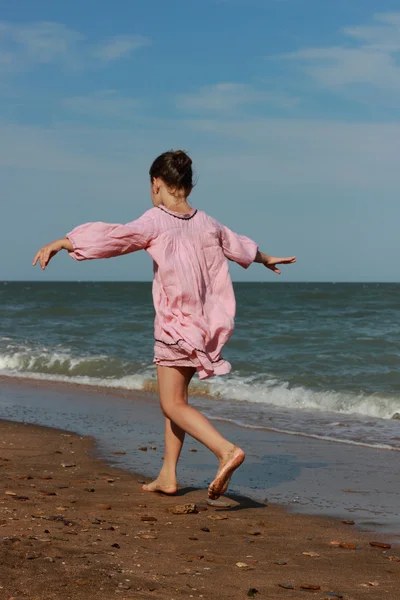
(193, 299)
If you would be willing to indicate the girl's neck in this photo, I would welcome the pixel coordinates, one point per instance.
(176, 203)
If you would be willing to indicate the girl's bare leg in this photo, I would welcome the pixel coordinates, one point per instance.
(173, 384)
(174, 436)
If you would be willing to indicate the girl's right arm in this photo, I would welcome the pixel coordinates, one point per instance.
(244, 251)
(271, 261)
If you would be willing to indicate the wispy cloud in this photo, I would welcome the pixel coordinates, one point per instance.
(119, 47)
(367, 56)
(22, 45)
(25, 45)
(227, 97)
(105, 103)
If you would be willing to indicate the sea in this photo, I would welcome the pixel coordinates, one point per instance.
(320, 360)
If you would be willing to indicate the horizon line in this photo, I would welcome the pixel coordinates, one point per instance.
(308, 281)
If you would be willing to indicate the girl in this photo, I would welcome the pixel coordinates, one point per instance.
(193, 299)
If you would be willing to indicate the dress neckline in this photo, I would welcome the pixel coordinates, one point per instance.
(178, 215)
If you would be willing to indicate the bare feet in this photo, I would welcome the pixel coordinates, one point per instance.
(227, 466)
(161, 485)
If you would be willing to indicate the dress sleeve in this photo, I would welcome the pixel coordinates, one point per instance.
(238, 248)
(105, 240)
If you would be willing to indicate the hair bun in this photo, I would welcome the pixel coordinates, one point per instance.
(182, 161)
(175, 169)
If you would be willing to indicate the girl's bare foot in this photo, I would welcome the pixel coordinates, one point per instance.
(161, 485)
(227, 466)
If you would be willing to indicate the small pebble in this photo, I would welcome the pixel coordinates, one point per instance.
(218, 517)
(205, 529)
(348, 522)
(311, 554)
(281, 563)
(47, 493)
(192, 450)
(191, 557)
(286, 586)
(143, 448)
(68, 465)
(310, 586)
(145, 518)
(90, 490)
(219, 504)
(183, 509)
(380, 545)
(115, 545)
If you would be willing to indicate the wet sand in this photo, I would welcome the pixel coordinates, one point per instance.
(71, 526)
(303, 474)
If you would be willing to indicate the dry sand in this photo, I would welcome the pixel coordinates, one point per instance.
(88, 531)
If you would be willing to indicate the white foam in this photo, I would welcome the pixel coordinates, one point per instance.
(61, 365)
(280, 394)
(129, 382)
(325, 438)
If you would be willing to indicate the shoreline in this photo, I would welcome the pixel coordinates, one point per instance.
(301, 474)
(87, 525)
(132, 393)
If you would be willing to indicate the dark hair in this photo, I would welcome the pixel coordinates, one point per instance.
(175, 169)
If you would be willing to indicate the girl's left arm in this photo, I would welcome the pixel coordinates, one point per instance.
(100, 240)
(46, 253)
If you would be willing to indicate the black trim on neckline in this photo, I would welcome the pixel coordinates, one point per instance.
(185, 218)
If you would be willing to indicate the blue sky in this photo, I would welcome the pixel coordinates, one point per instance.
(289, 108)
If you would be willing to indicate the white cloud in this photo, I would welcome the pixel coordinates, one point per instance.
(368, 56)
(42, 42)
(105, 103)
(25, 45)
(227, 97)
(119, 47)
(327, 191)
(317, 154)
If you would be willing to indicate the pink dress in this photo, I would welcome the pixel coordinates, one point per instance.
(192, 289)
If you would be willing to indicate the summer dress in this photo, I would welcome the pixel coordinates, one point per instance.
(192, 289)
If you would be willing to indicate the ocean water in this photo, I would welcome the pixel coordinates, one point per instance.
(317, 360)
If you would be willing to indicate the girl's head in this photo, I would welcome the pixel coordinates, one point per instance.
(171, 174)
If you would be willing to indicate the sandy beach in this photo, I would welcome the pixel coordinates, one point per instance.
(303, 474)
(71, 526)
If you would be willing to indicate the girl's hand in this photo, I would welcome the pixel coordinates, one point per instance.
(271, 261)
(46, 253)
